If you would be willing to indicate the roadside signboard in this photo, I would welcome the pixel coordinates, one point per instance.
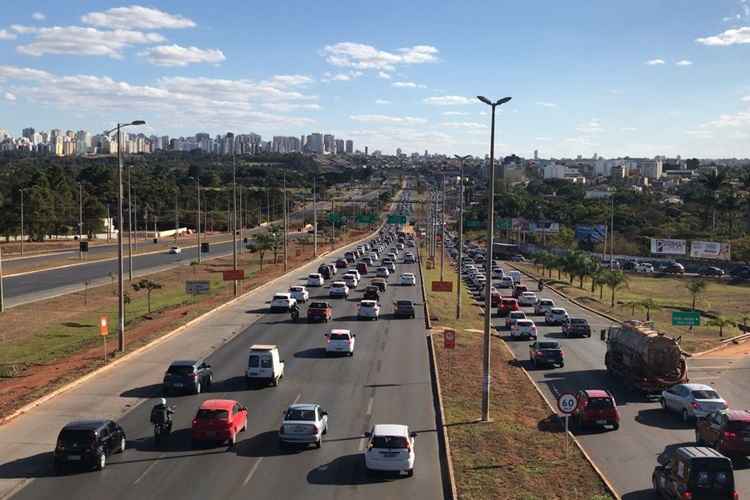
(668, 247)
(504, 223)
(472, 224)
(103, 326)
(334, 218)
(397, 219)
(567, 403)
(591, 234)
(232, 275)
(710, 250)
(442, 286)
(366, 218)
(449, 338)
(686, 318)
(197, 287)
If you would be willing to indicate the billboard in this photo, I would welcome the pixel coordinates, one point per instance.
(668, 247)
(544, 227)
(519, 224)
(591, 234)
(709, 250)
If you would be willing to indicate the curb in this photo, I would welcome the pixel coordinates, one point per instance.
(156, 342)
(571, 436)
(427, 320)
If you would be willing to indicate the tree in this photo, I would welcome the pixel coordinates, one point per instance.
(721, 322)
(149, 286)
(632, 304)
(649, 305)
(614, 281)
(263, 243)
(696, 287)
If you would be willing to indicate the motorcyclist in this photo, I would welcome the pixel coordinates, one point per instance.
(294, 311)
(161, 416)
(540, 285)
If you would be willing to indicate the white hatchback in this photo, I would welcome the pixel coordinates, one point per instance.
(299, 293)
(391, 449)
(315, 279)
(523, 328)
(338, 289)
(556, 316)
(543, 305)
(527, 299)
(350, 280)
(282, 302)
(513, 317)
(408, 279)
(340, 342)
(368, 309)
(505, 282)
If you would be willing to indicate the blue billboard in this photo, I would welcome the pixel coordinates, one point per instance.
(591, 234)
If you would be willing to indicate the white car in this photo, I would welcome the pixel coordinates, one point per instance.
(303, 424)
(350, 280)
(175, 250)
(644, 267)
(382, 272)
(505, 282)
(408, 279)
(527, 299)
(692, 400)
(282, 302)
(543, 305)
(523, 328)
(338, 289)
(374, 256)
(390, 265)
(340, 342)
(315, 279)
(498, 274)
(556, 316)
(513, 317)
(368, 309)
(391, 448)
(355, 273)
(299, 293)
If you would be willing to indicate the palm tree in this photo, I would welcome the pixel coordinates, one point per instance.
(614, 281)
(632, 304)
(696, 287)
(649, 305)
(721, 322)
(713, 182)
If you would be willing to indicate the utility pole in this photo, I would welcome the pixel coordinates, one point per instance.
(333, 226)
(176, 213)
(198, 218)
(268, 206)
(234, 210)
(315, 215)
(460, 234)
(130, 229)
(442, 233)
(241, 250)
(612, 238)
(80, 221)
(286, 225)
(2, 292)
(109, 224)
(135, 221)
(22, 237)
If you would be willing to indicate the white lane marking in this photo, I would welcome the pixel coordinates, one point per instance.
(252, 472)
(143, 474)
(369, 406)
(296, 400)
(699, 368)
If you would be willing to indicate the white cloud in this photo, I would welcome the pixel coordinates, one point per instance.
(700, 134)
(382, 101)
(543, 139)
(483, 113)
(447, 100)
(177, 55)
(38, 16)
(136, 17)
(655, 62)
(361, 56)
(77, 40)
(9, 97)
(341, 77)
(455, 113)
(464, 125)
(741, 119)
(6, 35)
(746, 98)
(384, 75)
(684, 62)
(628, 129)
(386, 119)
(290, 80)
(409, 85)
(546, 104)
(729, 37)
(591, 127)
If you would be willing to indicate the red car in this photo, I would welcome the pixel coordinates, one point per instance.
(341, 264)
(362, 268)
(519, 289)
(596, 407)
(320, 311)
(727, 431)
(507, 305)
(219, 420)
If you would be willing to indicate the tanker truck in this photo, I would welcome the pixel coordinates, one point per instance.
(644, 358)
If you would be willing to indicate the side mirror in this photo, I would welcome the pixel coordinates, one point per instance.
(324, 413)
(413, 434)
(367, 434)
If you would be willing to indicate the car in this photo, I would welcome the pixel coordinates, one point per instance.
(556, 316)
(498, 274)
(674, 268)
(187, 376)
(303, 423)
(409, 258)
(644, 267)
(340, 341)
(282, 302)
(367, 259)
(175, 250)
(519, 290)
(372, 292)
(505, 282)
(88, 443)
(319, 311)
(382, 272)
(315, 280)
(741, 273)
(350, 258)
(264, 365)
(518, 258)
(299, 293)
(400, 246)
(390, 449)
(527, 299)
(727, 431)
(711, 271)
(350, 280)
(341, 264)
(495, 298)
(408, 279)
(362, 268)
(596, 407)
(546, 353)
(524, 328)
(368, 309)
(692, 400)
(516, 275)
(355, 272)
(338, 289)
(390, 265)
(512, 317)
(218, 420)
(507, 305)
(374, 256)
(685, 472)
(325, 272)
(576, 327)
(543, 305)
(404, 309)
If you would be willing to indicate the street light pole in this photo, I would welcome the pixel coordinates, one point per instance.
(2, 291)
(80, 221)
(234, 212)
(198, 218)
(486, 348)
(315, 215)
(130, 228)
(22, 237)
(462, 159)
(442, 232)
(286, 225)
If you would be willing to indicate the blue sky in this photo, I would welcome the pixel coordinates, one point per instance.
(639, 78)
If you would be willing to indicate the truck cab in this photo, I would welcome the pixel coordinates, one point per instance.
(264, 365)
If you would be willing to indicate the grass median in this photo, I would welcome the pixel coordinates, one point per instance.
(516, 455)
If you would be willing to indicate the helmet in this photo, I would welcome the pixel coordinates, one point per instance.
(163, 402)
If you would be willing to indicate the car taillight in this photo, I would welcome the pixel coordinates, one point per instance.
(561, 354)
(695, 405)
(540, 353)
(735, 495)
(195, 421)
(193, 375)
(730, 435)
(686, 495)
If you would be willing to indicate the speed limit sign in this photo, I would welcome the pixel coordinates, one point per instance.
(567, 403)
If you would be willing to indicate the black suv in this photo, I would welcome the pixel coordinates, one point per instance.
(188, 376)
(404, 309)
(325, 271)
(577, 327)
(693, 472)
(88, 443)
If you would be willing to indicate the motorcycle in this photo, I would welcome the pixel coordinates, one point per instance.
(295, 315)
(162, 431)
(540, 286)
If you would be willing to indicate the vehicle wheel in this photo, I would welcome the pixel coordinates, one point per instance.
(123, 443)
(562, 364)
(317, 444)
(351, 354)
(101, 461)
(410, 472)
(685, 416)
(275, 382)
(663, 404)
(232, 440)
(325, 430)
(198, 388)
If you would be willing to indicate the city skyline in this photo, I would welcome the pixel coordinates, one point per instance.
(673, 87)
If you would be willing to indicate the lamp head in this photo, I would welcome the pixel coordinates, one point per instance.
(484, 100)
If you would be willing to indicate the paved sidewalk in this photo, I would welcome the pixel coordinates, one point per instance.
(26, 441)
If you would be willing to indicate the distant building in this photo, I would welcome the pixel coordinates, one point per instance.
(619, 172)
(29, 133)
(340, 147)
(315, 143)
(350, 147)
(536, 154)
(652, 169)
(329, 144)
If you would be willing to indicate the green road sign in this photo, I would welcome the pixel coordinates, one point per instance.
(686, 318)
(366, 218)
(396, 219)
(504, 224)
(334, 218)
(472, 224)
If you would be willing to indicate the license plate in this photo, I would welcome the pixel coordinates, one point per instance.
(747, 439)
(601, 422)
(177, 384)
(74, 457)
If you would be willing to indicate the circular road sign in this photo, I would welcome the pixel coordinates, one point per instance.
(567, 403)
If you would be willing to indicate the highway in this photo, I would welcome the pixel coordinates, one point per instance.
(627, 456)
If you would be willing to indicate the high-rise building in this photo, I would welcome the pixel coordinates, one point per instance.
(652, 169)
(315, 143)
(536, 154)
(398, 151)
(302, 142)
(340, 148)
(28, 133)
(349, 146)
(329, 146)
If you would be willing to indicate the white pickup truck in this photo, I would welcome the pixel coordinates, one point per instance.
(264, 365)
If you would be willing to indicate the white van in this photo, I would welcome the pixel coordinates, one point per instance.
(264, 365)
(516, 275)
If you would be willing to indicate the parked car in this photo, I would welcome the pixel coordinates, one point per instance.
(507, 305)
(543, 305)
(674, 268)
(264, 365)
(644, 267)
(315, 280)
(368, 309)
(514, 316)
(408, 279)
(576, 327)
(404, 309)
(191, 376)
(688, 472)
(391, 448)
(523, 328)
(303, 424)
(319, 311)
(556, 316)
(282, 302)
(88, 443)
(299, 293)
(218, 420)
(727, 431)
(596, 407)
(527, 299)
(340, 341)
(711, 271)
(546, 353)
(338, 289)
(692, 400)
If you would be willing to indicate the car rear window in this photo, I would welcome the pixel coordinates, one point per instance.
(600, 403)
(318, 305)
(206, 414)
(253, 361)
(180, 370)
(299, 414)
(712, 476)
(524, 323)
(78, 436)
(548, 345)
(339, 336)
(705, 394)
(507, 302)
(280, 297)
(404, 303)
(390, 442)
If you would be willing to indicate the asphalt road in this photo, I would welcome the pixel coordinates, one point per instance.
(627, 456)
(386, 381)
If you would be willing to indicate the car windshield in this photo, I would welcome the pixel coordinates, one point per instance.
(600, 403)
(524, 323)
(207, 414)
(339, 336)
(390, 442)
(300, 414)
(280, 297)
(706, 394)
(180, 370)
(548, 345)
(78, 436)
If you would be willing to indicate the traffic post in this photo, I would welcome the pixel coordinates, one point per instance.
(104, 331)
(449, 338)
(567, 404)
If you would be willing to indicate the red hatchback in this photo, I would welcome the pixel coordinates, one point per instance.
(507, 305)
(596, 407)
(727, 431)
(219, 421)
(495, 298)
